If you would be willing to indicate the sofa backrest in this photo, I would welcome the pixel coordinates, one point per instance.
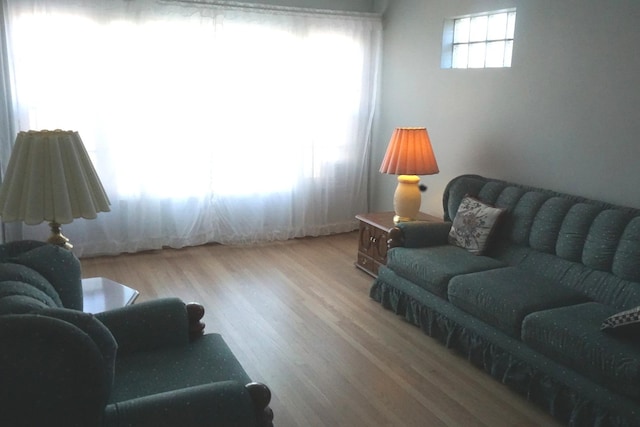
(597, 236)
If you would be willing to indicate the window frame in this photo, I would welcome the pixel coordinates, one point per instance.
(448, 43)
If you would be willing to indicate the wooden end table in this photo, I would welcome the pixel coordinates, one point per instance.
(373, 235)
(102, 294)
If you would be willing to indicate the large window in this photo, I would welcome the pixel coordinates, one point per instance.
(204, 123)
(479, 41)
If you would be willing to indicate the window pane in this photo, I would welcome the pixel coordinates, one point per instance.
(508, 51)
(497, 26)
(461, 30)
(495, 54)
(478, 30)
(511, 25)
(460, 56)
(476, 55)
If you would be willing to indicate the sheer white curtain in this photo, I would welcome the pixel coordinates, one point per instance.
(205, 123)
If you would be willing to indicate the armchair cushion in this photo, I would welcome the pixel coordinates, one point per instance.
(18, 304)
(53, 271)
(57, 266)
(29, 280)
(18, 297)
(205, 360)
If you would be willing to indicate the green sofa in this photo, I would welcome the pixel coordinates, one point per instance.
(530, 309)
(148, 364)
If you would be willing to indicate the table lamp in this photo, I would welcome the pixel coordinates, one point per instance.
(409, 154)
(50, 177)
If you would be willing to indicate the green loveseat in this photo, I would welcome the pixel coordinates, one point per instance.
(149, 364)
(530, 309)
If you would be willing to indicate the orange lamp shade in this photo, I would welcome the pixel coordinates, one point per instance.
(410, 153)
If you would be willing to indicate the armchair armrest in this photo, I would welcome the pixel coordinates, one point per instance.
(149, 325)
(53, 372)
(225, 403)
(419, 234)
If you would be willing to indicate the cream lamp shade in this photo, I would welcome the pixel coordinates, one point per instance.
(50, 177)
(409, 154)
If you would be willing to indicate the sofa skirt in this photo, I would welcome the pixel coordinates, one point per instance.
(568, 397)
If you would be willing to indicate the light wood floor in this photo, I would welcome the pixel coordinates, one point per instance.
(298, 317)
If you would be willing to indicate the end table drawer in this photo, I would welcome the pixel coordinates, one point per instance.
(368, 264)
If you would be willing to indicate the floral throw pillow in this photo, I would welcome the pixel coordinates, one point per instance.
(473, 225)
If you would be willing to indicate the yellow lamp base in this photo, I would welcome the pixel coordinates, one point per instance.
(406, 199)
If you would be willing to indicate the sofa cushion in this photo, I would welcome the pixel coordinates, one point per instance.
(603, 239)
(625, 261)
(572, 336)
(599, 286)
(522, 215)
(431, 268)
(473, 225)
(457, 190)
(504, 296)
(547, 223)
(574, 230)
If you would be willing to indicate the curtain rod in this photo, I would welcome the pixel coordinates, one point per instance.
(262, 7)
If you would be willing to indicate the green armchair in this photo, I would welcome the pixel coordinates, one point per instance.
(149, 364)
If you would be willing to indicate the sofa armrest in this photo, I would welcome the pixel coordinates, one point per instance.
(225, 403)
(148, 325)
(419, 234)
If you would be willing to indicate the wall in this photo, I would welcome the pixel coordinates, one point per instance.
(566, 116)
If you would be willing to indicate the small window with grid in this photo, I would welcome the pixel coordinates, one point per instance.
(479, 41)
